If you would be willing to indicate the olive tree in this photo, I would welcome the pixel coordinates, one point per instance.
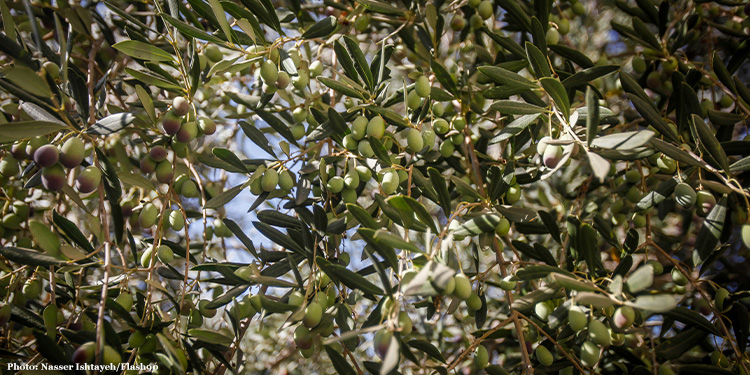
(370, 186)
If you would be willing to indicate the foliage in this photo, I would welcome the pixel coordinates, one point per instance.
(494, 186)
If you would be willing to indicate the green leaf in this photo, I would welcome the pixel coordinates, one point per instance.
(152, 79)
(280, 127)
(237, 231)
(257, 137)
(640, 279)
(321, 29)
(142, 51)
(710, 232)
(571, 54)
(703, 369)
(342, 88)
(111, 124)
(227, 297)
(708, 142)
(224, 197)
(394, 241)
(550, 222)
(515, 127)
(528, 301)
(421, 213)
(557, 92)
(599, 165)
(444, 77)
(351, 279)
(191, 31)
(14, 131)
(427, 348)
(572, 283)
(28, 80)
(516, 107)
(273, 306)
(381, 7)
(439, 183)
(506, 77)
(231, 158)
(624, 141)
(478, 225)
(740, 165)
(658, 303)
(656, 196)
(538, 61)
(339, 363)
(677, 153)
(210, 336)
(649, 113)
(279, 238)
(592, 115)
(675, 346)
(360, 63)
(538, 271)
(692, 319)
(594, 299)
(71, 230)
(146, 102)
(362, 216)
(29, 257)
(587, 246)
(587, 75)
(221, 17)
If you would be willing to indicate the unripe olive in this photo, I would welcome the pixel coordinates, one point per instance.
(53, 177)
(481, 357)
(552, 36)
(684, 195)
(633, 195)
(189, 189)
(508, 283)
(653, 81)
(577, 319)
(206, 125)
(362, 22)
(633, 176)
(188, 132)
(589, 354)
(376, 127)
(149, 345)
(180, 106)
(213, 53)
(405, 323)
(414, 140)
(72, 152)
(176, 220)
(599, 333)
(171, 123)
(474, 303)
(147, 165)
(302, 337)
(624, 317)
(286, 180)
(85, 353)
(195, 319)
(474, 3)
(428, 137)
(422, 87)
(32, 288)
(136, 339)
(158, 153)
(146, 256)
(485, 9)
(335, 184)
(513, 194)
(441, 126)
(46, 156)
(359, 127)
(705, 202)
(413, 101)
(9, 167)
(638, 64)
(365, 149)
(542, 310)
(382, 341)
(89, 179)
(670, 64)
(720, 298)
(446, 149)
(296, 299)
(463, 287)
(458, 22)
(316, 68)
(459, 123)
(543, 354)
(301, 80)
(351, 179)
(269, 180)
(11, 221)
(666, 164)
(390, 182)
(148, 216)
(52, 69)
(283, 80)
(313, 315)
(678, 277)
(298, 131)
(164, 172)
(349, 142)
(269, 72)
(475, 21)
(34, 144)
(719, 359)
(552, 155)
